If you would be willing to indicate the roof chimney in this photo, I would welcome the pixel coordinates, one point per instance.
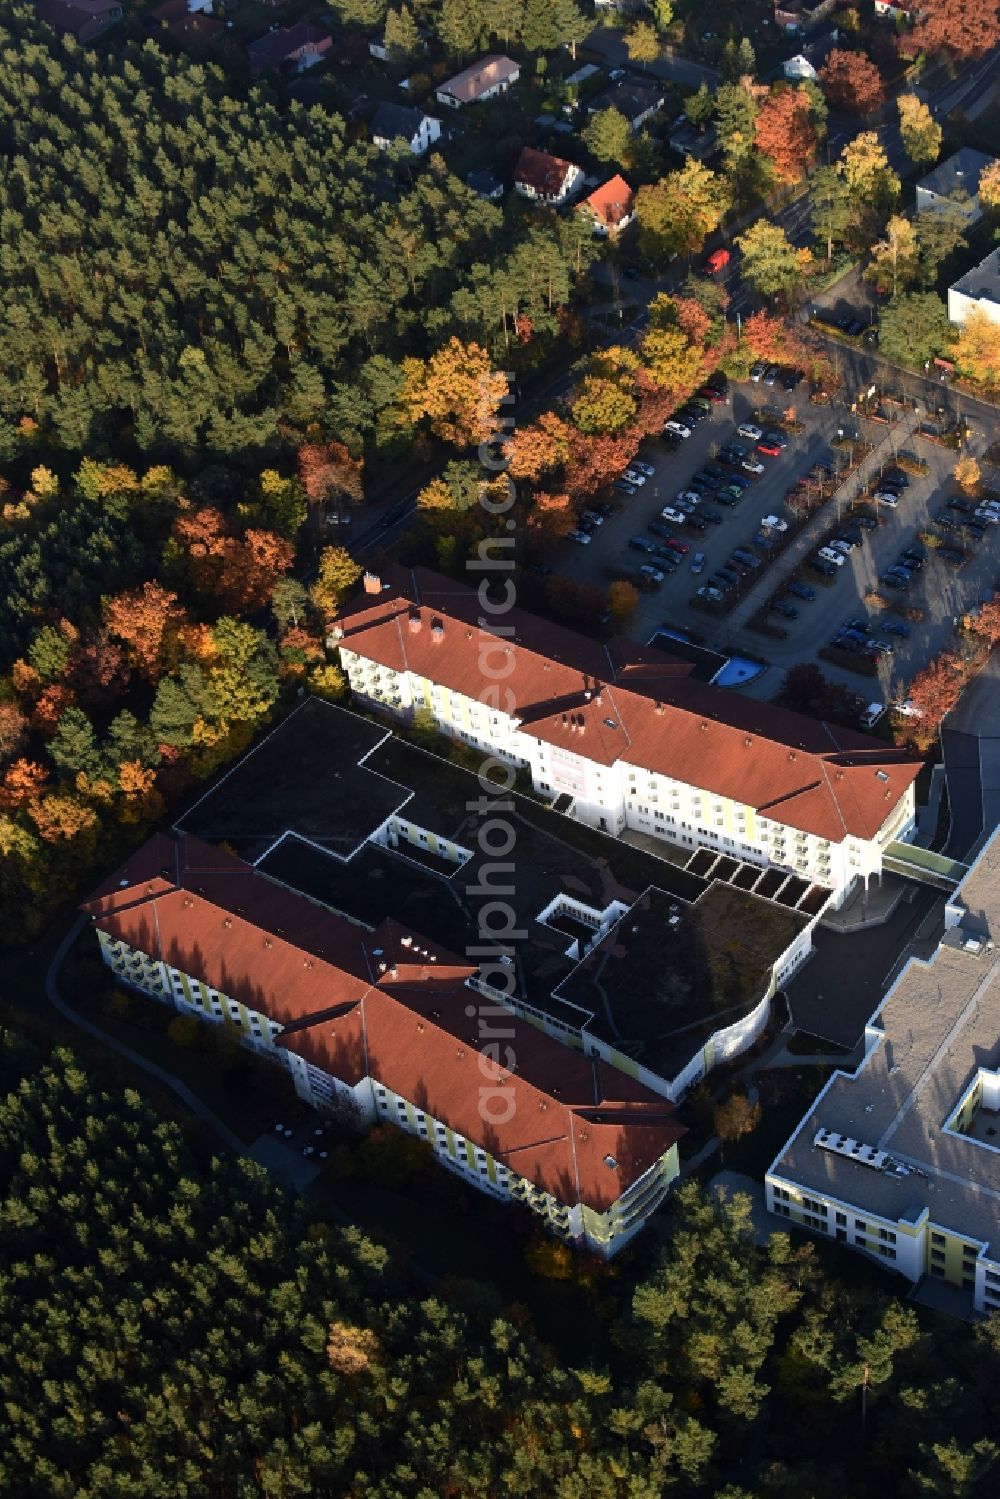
(373, 583)
(437, 631)
(415, 621)
(659, 710)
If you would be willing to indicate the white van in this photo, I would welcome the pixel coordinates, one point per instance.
(871, 715)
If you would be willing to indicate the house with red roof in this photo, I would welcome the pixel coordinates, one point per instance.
(383, 1024)
(611, 208)
(624, 737)
(544, 178)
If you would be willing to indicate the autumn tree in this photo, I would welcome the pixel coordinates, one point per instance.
(642, 43)
(335, 577)
(771, 263)
(965, 28)
(851, 81)
(968, 473)
(23, 781)
(894, 258)
(784, 132)
(13, 730)
(977, 349)
(456, 391)
(735, 1116)
(989, 187)
(622, 600)
(865, 168)
(934, 691)
(329, 474)
(921, 133)
(602, 406)
(145, 620)
(676, 214)
(538, 448)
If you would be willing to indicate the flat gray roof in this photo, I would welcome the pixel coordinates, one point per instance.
(939, 1024)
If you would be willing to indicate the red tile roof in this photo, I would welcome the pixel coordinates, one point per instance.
(545, 174)
(391, 1005)
(792, 769)
(611, 203)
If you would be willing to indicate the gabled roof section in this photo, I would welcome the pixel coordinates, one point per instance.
(391, 1005)
(545, 174)
(610, 203)
(622, 702)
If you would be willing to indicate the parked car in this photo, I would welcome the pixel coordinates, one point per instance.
(866, 522)
(779, 439)
(769, 449)
(653, 574)
(581, 538)
(837, 558)
(897, 628)
(697, 523)
(962, 506)
(592, 517)
(689, 507)
(741, 481)
(676, 517)
(752, 466)
(801, 591)
(787, 611)
(775, 522)
(623, 486)
(720, 584)
(716, 262)
(698, 562)
(836, 545)
(991, 517)
(771, 374)
(691, 415)
(586, 525)
(718, 381)
(886, 497)
(853, 535)
(705, 478)
(680, 547)
(742, 555)
(790, 379)
(729, 576)
(709, 392)
(658, 528)
(758, 371)
(700, 403)
(640, 544)
(912, 564)
(895, 580)
(822, 566)
(665, 557)
(688, 496)
(896, 476)
(708, 591)
(728, 497)
(712, 516)
(951, 554)
(750, 431)
(943, 520)
(643, 468)
(677, 428)
(634, 477)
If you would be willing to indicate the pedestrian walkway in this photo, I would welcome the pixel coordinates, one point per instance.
(924, 865)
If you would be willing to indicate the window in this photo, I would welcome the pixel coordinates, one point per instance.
(886, 1251)
(841, 1219)
(887, 1235)
(938, 1270)
(937, 1239)
(861, 1225)
(782, 1209)
(937, 1256)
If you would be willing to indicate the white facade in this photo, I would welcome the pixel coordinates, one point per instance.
(370, 1102)
(978, 288)
(428, 131)
(571, 181)
(619, 796)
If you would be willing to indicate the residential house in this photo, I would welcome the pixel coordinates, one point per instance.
(611, 207)
(484, 79)
(886, 10)
(545, 178)
(636, 99)
(83, 19)
(295, 47)
(397, 122)
(486, 183)
(798, 68)
(979, 288)
(801, 15)
(955, 181)
(374, 1022)
(627, 741)
(696, 141)
(899, 1159)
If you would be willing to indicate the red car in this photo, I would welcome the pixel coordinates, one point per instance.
(716, 262)
(709, 393)
(678, 546)
(770, 449)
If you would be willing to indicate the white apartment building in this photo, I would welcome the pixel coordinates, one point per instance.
(377, 1022)
(633, 742)
(899, 1160)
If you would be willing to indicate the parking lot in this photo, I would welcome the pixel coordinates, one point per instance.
(941, 590)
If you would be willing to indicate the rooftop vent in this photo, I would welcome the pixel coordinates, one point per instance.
(853, 1150)
(611, 723)
(609, 1160)
(881, 775)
